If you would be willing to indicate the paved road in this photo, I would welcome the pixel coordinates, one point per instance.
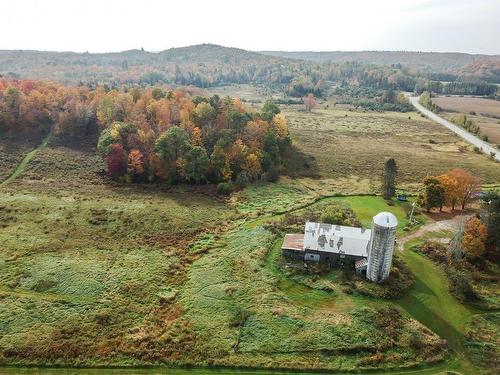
(484, 146)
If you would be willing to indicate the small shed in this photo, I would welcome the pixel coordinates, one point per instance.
(293, 246)
(361, 265)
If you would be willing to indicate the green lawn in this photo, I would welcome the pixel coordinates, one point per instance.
(431, 302)
(365, 207)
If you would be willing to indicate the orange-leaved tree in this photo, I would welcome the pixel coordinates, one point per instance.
(135, 165)
(468, 185)
(452, 191)
(474, 238)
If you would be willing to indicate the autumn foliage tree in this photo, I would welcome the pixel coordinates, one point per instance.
(451, 189)
(135, 167)
(178, 138)
(154, 134)
(474, 239)
(433, 195)
(116, 160)
(467, 185)
(455, 186)
(37, 107)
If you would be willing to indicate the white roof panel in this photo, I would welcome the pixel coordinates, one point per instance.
(336, 239)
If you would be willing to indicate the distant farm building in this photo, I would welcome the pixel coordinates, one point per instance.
(370, 250)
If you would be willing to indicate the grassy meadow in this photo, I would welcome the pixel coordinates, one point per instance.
(355, 144)
(346, 148)
(94, 273)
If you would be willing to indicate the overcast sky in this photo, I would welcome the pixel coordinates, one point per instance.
(115, 25)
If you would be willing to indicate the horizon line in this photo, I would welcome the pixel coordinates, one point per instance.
(263, 51)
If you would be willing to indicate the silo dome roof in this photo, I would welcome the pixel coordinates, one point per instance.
(385, 219)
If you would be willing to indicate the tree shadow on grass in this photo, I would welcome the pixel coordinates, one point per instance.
(299, 164)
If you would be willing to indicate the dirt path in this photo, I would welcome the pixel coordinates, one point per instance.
(22, 165)
(451, 224)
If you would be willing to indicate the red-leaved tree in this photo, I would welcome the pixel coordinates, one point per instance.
(117, 161)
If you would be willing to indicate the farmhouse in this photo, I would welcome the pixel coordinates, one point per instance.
(370, 250)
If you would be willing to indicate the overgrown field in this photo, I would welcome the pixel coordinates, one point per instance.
(97, 273)
(13, 150)
(84, 272)
(354, 145)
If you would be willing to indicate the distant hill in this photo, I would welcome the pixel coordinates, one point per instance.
(207, 53)
(201, 65)
(207, 65)
(39, 63)
(427, 61)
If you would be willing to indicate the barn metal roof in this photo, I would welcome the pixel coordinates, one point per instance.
(293, 242)
(336, 239)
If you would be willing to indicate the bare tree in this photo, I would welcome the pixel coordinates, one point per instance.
(309, 102)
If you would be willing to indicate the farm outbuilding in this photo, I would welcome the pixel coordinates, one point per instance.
(370, 250)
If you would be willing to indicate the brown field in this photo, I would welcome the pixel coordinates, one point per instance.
(483, 106)
(349, 148)
(488, 125)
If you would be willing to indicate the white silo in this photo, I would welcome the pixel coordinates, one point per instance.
(381, 246)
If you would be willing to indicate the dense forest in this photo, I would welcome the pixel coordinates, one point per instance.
(154, 134)
(448, 65)
(210, 65)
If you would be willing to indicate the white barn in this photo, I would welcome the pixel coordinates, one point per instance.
(370, 250)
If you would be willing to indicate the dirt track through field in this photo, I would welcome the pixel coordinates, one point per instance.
(451, 224)
(22, 165)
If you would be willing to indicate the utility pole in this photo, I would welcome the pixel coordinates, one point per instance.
(412, 211)
(455, 245)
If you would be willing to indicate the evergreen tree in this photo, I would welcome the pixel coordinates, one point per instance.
(389, 179)
(433, 195)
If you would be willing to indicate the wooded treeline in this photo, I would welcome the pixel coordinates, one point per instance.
(209, 65)
(154, 134)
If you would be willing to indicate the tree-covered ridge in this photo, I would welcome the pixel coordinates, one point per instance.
(155, 134)
(209, 65)
(453, 63)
